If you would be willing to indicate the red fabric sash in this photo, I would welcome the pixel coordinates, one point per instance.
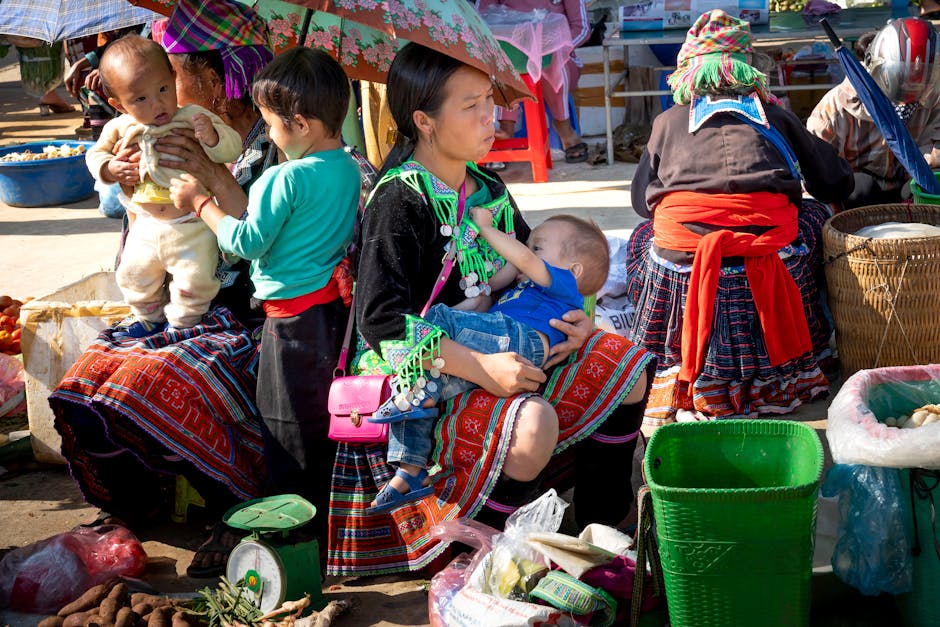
(290, 307)
(776, 296)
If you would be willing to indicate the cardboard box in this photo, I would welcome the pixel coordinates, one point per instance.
(679, 14)
(57, 328)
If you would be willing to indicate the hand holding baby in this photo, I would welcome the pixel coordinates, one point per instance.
(205, 131)
(185, 189)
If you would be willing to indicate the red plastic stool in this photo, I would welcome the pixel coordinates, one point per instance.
(534, 147)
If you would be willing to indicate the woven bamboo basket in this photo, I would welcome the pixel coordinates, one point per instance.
(884, 293)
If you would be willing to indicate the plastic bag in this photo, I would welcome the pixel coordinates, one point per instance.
(856, 432)
(873, 549)
(453, 603)
(614, 312)
(449, 581)
(513, 567)
(12, 385)
(41, 68)
(46, 575)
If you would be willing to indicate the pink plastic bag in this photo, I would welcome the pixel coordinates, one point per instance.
(12, 384)
(45, 576)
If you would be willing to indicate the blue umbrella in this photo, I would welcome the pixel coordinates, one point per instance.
(55, 20)
(882, 112)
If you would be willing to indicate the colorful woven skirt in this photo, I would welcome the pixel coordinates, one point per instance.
(471, 443)
(737, 379)
(132, 412)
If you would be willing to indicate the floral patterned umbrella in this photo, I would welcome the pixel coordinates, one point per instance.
(364, 35)
(451, 26)
(364, 52)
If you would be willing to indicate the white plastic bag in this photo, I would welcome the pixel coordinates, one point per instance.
(456, 598)
(512, 568)
(856, 432)
(614, 312)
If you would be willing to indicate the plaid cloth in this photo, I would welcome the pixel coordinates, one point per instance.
(737, 379)
(715, 57)
(229, 27)
(181, 402)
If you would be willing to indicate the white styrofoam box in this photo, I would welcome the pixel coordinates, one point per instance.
(57, 328)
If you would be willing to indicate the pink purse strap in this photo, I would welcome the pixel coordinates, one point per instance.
(442, 277)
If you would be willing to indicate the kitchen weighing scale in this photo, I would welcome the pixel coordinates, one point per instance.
(272, 567)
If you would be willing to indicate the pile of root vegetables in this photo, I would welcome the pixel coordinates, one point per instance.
(111, 605)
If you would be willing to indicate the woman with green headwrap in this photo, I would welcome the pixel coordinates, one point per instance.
(724, 274)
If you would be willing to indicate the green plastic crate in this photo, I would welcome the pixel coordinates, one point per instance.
(920, 607)
(735, 509)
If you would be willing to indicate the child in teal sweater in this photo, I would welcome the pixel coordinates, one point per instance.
(298, 225)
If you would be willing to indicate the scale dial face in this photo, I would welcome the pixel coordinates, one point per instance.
(255, 558)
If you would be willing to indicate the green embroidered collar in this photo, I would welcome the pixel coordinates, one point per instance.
(476, 259)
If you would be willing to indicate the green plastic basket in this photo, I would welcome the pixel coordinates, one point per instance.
(920, 607)
(923, 198)
(735, 509)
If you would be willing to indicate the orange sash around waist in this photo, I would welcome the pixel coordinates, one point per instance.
(776, 296)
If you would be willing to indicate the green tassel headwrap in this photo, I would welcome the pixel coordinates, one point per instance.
(715, 59)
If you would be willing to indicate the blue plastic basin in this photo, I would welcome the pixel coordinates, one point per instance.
(45, 182)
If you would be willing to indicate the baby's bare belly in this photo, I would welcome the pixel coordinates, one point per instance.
(163, 211)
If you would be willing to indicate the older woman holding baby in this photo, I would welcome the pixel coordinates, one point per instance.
(135, 414)
(497, 447)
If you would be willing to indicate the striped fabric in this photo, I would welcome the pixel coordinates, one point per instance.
(213, 25)
(178, 402)
(472, 440)
(737, 378)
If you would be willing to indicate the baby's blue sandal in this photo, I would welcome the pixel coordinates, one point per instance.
(388, 412)
(389, 498)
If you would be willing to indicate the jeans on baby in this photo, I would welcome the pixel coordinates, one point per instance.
(409, 441)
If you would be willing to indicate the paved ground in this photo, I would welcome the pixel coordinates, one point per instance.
(47, 248)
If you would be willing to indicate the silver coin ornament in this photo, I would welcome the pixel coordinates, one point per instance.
(435, 372)
(401, 403)
(432, 387)
(438, 362)
(421, 382)
(446, 231)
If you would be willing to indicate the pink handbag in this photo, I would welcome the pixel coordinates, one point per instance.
(353, 399)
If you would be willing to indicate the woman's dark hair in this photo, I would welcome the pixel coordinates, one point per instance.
(304, 82)
(415, 83)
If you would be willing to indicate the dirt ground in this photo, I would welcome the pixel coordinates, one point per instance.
(47, 248)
